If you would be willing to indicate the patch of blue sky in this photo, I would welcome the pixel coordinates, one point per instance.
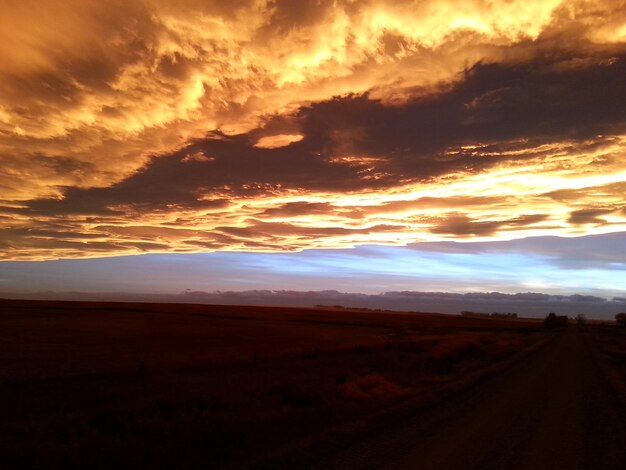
(368, 269)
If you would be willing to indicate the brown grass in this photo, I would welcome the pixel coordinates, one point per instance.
(373, 388)
(96, 384)
(610, 340)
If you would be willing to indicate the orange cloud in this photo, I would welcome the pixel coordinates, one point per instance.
(366, 106)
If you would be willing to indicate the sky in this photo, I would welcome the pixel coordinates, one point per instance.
(365, 146)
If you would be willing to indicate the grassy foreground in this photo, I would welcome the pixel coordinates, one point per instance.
(104, 385)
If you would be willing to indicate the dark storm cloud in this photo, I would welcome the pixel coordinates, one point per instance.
(460, 224)
(493, 103)
(299, 208)
(588, 216)
(103, 201)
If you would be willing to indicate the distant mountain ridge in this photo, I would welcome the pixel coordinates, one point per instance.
(531, 304)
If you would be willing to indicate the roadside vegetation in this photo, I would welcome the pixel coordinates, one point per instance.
(610, 339)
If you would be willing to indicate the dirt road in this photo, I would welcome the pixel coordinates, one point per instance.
(553, 411)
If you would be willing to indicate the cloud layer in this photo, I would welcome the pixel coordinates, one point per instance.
(590, 265)
(156, 126)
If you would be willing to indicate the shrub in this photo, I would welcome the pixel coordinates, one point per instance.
(555, 321)
(373, 388)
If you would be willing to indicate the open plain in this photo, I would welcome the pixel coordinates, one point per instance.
(113, 385)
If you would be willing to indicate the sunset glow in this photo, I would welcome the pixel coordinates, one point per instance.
(313, 234)
(274, 126)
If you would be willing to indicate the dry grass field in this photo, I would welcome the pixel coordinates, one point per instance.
(113, 385)
(611, 355)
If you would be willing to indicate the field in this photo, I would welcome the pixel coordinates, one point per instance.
(611, 343)
(112, 385)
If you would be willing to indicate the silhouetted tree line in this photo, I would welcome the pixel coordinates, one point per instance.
(467, 313)
(620, 318)
(555, 321)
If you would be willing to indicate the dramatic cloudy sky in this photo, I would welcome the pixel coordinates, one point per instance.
(398, 143)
